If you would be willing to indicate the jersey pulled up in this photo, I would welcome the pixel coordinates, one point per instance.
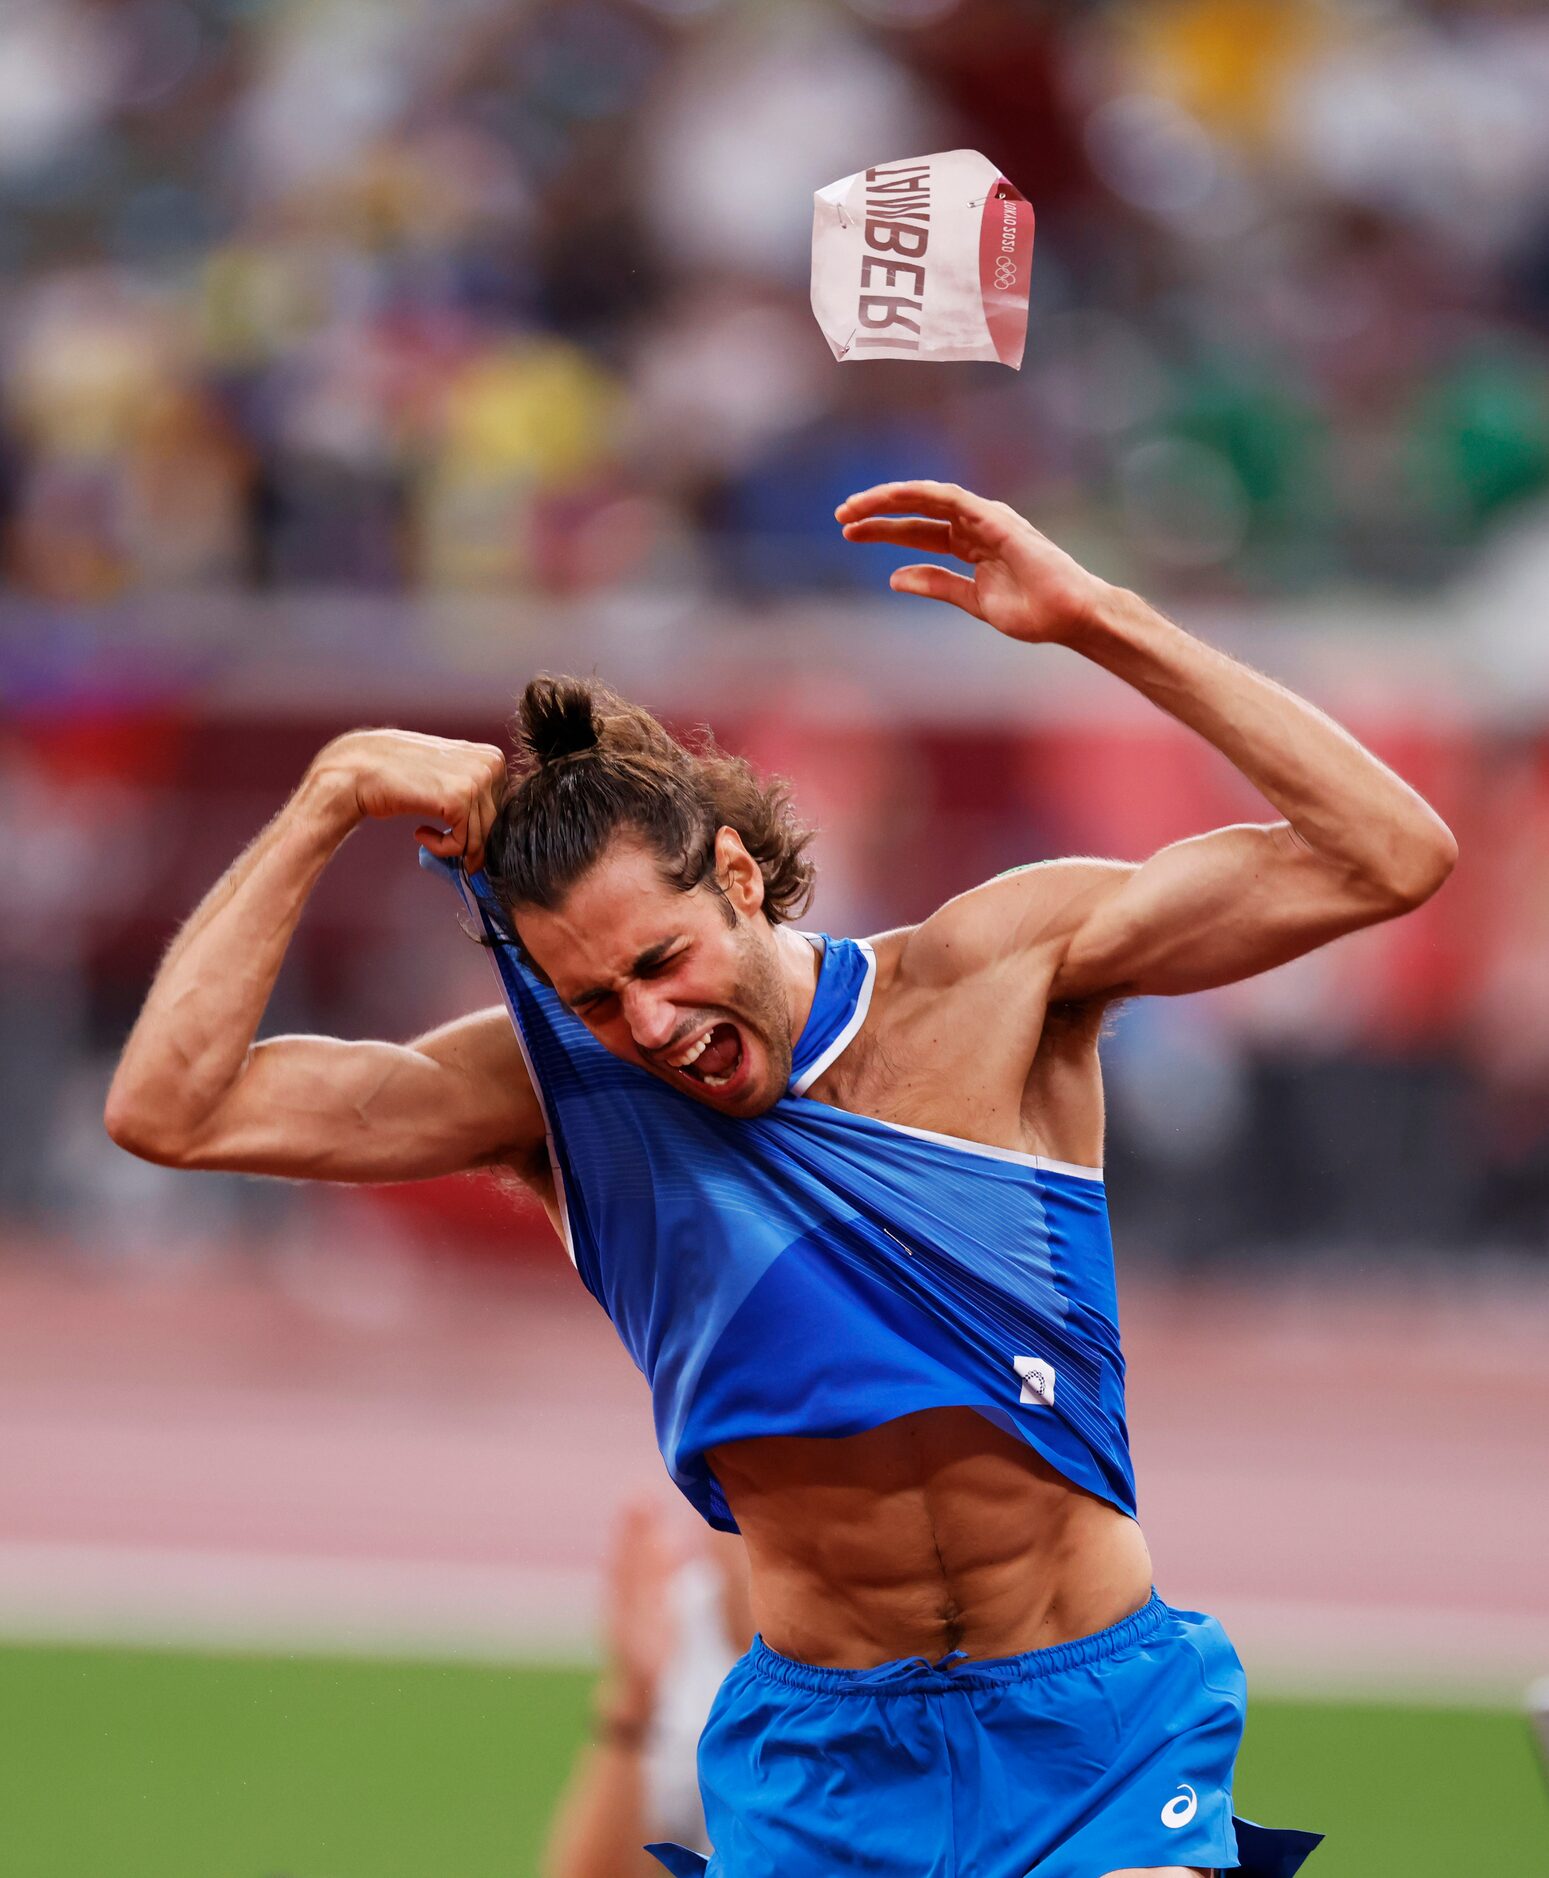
(810, 1271)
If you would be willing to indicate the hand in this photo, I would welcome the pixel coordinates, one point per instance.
(640, 1630)
(1022, 584)
(382, 773)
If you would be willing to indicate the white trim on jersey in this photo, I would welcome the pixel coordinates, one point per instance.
(842, 1042)
(846, 1036)
(1040, 1161)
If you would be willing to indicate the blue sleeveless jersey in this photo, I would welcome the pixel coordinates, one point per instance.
(814, 1272)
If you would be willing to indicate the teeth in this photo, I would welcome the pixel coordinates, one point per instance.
(715, 1082)
(690, 1056)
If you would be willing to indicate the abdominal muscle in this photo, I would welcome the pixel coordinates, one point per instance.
(932, 1533)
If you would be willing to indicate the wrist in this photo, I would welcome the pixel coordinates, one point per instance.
(622, 1710)
(327, 798)
(1115, 623)
(624, 1734)
(628, 1696)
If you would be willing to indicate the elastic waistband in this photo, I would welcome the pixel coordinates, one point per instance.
(914, 1675)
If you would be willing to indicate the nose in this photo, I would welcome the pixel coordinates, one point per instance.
(652, 1019)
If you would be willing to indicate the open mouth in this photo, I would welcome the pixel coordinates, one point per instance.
(713, 1060)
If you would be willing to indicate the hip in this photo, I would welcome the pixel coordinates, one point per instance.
(1110, 1751)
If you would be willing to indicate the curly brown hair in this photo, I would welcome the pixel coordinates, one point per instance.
(590, 765)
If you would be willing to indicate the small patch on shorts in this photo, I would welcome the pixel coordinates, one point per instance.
(1037, 1375)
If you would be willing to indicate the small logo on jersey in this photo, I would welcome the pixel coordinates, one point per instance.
(1181, 1808)
(1037, 1379)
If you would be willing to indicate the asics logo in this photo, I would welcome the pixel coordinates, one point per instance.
(1181, 1808)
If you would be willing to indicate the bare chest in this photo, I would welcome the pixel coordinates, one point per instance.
(955, 1062)
(981, 1062)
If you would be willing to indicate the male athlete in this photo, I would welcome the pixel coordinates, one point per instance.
(843, 1202)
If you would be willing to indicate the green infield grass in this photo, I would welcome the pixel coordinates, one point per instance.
(122, 1763)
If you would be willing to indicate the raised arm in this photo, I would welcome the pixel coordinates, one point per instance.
(193, 1088)
(1356, 844)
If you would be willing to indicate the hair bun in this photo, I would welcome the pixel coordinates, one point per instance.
(557, 718)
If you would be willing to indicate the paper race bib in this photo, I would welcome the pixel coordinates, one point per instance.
(924, 258)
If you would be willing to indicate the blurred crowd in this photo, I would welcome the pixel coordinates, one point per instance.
(511, 294)
(509, 297)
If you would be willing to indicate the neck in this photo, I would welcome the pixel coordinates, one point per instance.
(799, 964)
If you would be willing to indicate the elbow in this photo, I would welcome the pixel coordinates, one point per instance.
(133, 1125)
(1418, 867)
(127, 1122)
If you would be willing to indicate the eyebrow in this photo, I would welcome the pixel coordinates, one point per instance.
(644, 961)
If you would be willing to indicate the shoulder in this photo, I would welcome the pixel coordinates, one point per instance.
(1014, 920)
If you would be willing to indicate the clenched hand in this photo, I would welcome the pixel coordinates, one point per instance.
(456, 786)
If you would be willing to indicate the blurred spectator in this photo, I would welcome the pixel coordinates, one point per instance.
(675, 1622)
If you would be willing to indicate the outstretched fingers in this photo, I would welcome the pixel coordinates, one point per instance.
(946, 501)
(938, 583)
(903, 532)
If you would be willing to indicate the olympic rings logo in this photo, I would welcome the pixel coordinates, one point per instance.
(1005, 272)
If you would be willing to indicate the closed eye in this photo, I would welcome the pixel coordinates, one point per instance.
(654, 967)
(648, 965)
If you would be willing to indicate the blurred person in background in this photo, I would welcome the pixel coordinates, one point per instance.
(879, 1325)
(675, 1621)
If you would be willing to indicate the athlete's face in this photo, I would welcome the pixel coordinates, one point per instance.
(667, 980)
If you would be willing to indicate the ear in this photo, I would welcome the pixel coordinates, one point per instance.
(737, 874)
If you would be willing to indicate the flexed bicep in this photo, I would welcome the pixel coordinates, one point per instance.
(323, 1108)
(1211, 910)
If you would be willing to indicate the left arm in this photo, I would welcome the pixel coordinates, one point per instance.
(1356, 845)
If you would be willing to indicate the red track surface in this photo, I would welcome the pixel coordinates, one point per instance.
(1354, 1482)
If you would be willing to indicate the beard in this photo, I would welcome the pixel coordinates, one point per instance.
(760, 998)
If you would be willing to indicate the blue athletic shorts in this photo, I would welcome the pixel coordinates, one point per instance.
(1113, 1751)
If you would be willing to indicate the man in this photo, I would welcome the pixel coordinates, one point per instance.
(843, 1203)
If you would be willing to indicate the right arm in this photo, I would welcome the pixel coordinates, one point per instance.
(194, 1089)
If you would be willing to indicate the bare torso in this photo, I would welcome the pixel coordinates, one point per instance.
(933, 1533)
(938, 1531)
